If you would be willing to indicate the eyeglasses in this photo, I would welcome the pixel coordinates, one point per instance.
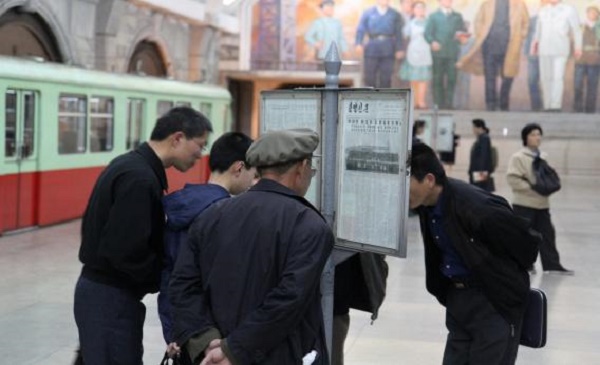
(313, 171)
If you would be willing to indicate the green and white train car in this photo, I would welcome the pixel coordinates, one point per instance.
(62, 125)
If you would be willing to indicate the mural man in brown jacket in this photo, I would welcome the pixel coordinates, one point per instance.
(500, 28)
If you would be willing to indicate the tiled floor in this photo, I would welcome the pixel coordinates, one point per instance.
(39, 269)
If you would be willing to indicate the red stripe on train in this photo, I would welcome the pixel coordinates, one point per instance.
(48, 197)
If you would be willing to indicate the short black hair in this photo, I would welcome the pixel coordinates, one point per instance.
(480, 123)
(530, 127)
(424, 161)
(228, 149)
(419, 123)
(181, 119)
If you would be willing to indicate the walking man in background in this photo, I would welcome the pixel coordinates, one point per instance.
(481, 164)
(122, 239)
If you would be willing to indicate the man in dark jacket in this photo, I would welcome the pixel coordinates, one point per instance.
(477, 252)
(230, 175)
(246, 285)
(122, 239)
(481, 164)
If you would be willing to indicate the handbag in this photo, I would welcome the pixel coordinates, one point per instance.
(547, 181)
(181, 359)
(170, 361)
(533, 332)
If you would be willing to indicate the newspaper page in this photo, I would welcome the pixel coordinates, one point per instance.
(373, 179)
(286, 109)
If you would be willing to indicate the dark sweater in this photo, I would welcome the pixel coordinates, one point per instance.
(123, 225)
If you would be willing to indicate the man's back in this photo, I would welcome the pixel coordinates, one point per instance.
(260, 256)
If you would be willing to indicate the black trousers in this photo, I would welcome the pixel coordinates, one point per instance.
(540, 221)
(378, 71)
(110, 322)
(492, 67)
(477, 333)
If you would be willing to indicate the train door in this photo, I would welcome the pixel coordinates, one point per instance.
(20, 159)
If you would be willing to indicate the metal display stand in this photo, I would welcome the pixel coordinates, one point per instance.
(388, 170)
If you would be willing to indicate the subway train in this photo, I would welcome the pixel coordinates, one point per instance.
(63, 124)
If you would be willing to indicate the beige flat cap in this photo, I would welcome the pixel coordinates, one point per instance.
(281, 146)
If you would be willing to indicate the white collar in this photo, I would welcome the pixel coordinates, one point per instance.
(381, 10)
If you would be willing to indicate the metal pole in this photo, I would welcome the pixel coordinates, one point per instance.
(434, 128)
(333, 65)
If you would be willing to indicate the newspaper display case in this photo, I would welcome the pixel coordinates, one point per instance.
(373, 170)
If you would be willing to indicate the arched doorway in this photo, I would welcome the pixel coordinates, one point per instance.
(27, 34)
(147, 59)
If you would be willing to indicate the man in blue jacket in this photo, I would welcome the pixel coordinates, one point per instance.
(230, 175)
(477, 252)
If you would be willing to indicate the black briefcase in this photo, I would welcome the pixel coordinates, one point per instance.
(533, 333)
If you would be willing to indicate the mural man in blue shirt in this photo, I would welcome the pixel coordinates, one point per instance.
(383, 27)
(326, 30)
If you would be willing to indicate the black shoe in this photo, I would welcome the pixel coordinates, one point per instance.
(560, 271)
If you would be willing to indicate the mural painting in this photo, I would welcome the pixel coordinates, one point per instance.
(495, 55)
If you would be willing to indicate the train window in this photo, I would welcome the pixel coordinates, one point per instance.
(101, 123)
(28, 124)
(10, 139)
(135, 117)
(162, 107)
(20, 123)
(206, 109)
(72, 119)
(184, 103)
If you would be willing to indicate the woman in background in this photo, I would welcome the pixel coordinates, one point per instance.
(417, 68)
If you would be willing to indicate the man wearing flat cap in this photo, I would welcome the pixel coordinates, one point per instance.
(246, 285)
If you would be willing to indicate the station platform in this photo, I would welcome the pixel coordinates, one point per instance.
(39, 269)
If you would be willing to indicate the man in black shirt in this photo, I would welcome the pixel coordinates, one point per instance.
(122, 238)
